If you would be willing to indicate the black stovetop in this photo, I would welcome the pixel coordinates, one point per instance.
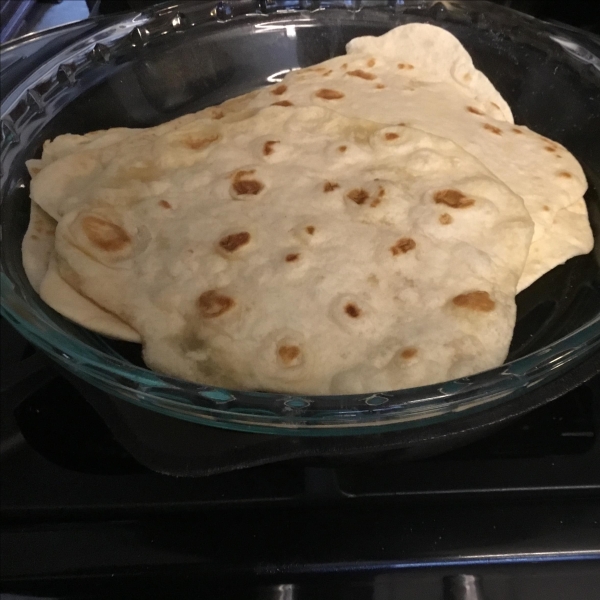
(79, 513)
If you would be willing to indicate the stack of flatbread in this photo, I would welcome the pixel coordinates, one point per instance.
(363, 225)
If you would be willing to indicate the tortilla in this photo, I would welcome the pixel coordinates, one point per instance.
(569, 234)
(40, 267)
(141, 189)
(60, 296)
(297, 250)
(38, 245)
(421, 75)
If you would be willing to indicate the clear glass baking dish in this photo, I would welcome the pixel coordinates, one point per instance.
(142, 69)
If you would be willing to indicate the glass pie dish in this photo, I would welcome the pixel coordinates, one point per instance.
(143, 69)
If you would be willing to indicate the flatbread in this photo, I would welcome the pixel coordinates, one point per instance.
(297, 250)
(60, 296)
(421, 75)
(570, 232)
(38, 245)
(40, 267)
(285, 309)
